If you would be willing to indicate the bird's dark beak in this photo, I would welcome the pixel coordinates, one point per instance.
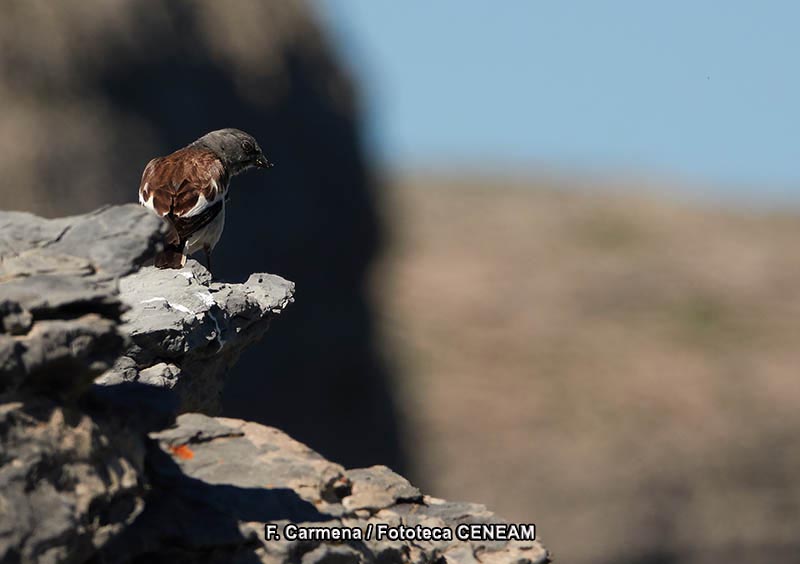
(262, 162)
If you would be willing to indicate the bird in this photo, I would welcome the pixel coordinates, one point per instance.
(188, 190)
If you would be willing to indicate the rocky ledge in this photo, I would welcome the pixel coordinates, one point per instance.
(98, 353)
(188, 331)
(182, 331)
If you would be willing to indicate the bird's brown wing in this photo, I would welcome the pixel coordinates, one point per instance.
(187, 188)
(186, 225)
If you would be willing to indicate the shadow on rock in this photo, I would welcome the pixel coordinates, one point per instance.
(184, 515)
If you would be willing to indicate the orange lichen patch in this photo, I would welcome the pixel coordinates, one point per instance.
(182, 451)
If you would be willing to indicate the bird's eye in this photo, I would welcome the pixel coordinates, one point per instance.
(247, 146)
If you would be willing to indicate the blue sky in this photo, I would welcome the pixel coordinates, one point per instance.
(703, 91)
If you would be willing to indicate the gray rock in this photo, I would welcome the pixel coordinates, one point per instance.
(163, 374)
(90, 473)
(116, 240)
(58, 306)
(332, 554)
(378, 487)
(188, 331)
(185, 330)
(64, 356)
(24, 231)
(68, 482)
(234, 477)
(104, 244)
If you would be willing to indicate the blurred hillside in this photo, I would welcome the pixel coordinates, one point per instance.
(92, 90)
(618, 369)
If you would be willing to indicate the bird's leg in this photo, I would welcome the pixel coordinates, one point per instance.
(207, 251)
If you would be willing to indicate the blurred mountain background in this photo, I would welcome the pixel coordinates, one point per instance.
(544, 252)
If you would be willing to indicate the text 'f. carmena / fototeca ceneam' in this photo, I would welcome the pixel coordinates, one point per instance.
(188, 190)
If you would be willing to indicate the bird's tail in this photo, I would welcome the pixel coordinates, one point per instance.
(172, 256)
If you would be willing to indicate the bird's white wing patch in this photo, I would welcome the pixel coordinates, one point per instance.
(142, 190)
(148, 203)
(201, 205)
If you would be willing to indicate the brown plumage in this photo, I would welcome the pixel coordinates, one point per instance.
(172, 187)
(187, 189)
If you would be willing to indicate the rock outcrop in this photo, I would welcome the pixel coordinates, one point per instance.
(69, 480)
(188, 331)
(104, 471)
(59, 308)
(182, 330)
(217, 482)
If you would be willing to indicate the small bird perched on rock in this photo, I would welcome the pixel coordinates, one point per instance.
(188, 190)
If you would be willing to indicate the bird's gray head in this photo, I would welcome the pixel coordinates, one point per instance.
(237, 150)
